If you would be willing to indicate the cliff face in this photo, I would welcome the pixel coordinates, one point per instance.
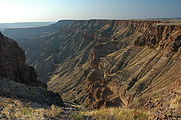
(12, 65)
(162, 37)
(17, 80)
(105, 63)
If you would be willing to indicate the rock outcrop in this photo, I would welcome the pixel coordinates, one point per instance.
(163, 37)
(12, 63)
(18, 80)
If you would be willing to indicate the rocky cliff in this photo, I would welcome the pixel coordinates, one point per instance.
(18, 80)
(12, 63)
(112, 63)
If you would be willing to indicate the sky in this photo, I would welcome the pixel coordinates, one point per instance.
(54, 10)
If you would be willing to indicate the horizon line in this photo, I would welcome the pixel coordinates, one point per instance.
(153, 18)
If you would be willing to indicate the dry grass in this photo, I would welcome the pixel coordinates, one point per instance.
(14, 109)
(176, 103)
(118, 114)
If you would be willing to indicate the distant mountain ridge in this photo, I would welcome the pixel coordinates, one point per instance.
(33, 32)
(165, 18)
(3, 26)
(24, 24)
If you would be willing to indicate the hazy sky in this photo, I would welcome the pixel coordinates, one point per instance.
(53, 10)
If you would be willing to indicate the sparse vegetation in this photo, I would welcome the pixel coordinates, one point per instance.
(118, 114)
(13, 109)
(176, 102)
(77, 116)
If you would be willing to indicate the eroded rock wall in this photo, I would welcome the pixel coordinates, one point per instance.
(129, 63)
(12, 63)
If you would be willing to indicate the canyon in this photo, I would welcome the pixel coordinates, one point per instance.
(107, 63)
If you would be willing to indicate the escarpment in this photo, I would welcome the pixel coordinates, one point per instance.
(12, 63)
(163, 37)
(18, 80)
(112, 63)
